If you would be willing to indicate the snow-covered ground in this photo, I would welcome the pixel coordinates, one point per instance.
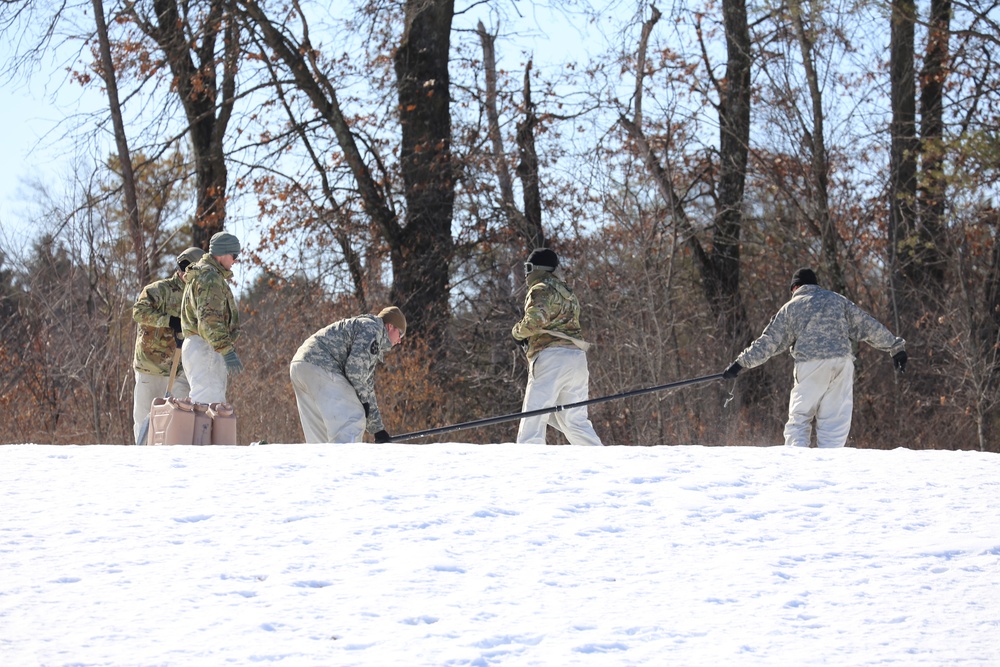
(497, 555)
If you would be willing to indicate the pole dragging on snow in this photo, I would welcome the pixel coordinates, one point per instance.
(489, 421)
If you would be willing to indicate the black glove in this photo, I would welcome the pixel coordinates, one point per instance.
(732, 371)
(383, 436)
(175, 324)
(365, 406)
(899, 361)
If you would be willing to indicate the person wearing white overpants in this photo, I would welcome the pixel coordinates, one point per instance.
(157, 313)
(558, 374)
(819, 328)
(210, 322)
(149, 387)
(333, 375)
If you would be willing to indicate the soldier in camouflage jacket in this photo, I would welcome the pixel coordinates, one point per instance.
(210, 321)
(819, 327)
(333, 375)
(157, 316)
(557, 359)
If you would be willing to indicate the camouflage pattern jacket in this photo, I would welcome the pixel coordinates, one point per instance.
(208, 308)
(818, 324)
(154, 340)
(352, 348)
(550, 305)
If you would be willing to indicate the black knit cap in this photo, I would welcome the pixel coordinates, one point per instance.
(803, 277)
(543, 258)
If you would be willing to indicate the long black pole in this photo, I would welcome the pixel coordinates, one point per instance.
(489, 421)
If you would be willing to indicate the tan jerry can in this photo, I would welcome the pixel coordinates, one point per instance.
(223, 424)
(171, 421)
(202, 425)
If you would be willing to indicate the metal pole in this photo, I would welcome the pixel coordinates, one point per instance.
(489, 421)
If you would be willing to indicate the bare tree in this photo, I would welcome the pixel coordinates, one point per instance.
(903, 153)
(527, 223)
(201, 44)
(718, 264)
(931, 255)
(121, 141)
(421, 250)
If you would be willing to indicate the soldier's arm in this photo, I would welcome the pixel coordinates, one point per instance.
(150, 308)
(360, 372)
(775, 338)
(536, 313)
(865, 328)
(213, 325)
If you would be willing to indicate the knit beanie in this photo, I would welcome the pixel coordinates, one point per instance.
(543, 258)
(803, 277)
(189, 257)
(224, 243)
(394, 316)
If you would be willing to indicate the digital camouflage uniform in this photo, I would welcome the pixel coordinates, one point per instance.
(155, 345)
(333, 374)
(557, 368)
(819, 328)
(210, 323)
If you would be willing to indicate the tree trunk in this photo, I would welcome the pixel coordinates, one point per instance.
(527, 169)
(207, 104)
(820, 163)
(421, 260)
(902, 157)
(721, 274)
(931, 203)
(719, 267)
(121, 141)
(421, 251)
(530, 232)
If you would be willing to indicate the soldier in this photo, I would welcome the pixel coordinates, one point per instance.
(557, 357)
(158, 334)
(210, 321)
(333, 374)
(819, 327)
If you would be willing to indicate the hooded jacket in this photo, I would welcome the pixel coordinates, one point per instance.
(154, 341)
(208, 308)
(549, 304)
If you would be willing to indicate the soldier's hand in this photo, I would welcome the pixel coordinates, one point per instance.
(233, 364)
(731, 372)
(175, 324)
(383, 436)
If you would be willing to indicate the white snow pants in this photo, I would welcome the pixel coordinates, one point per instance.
(824, 390)
(329, 407)
(206, 371)
(558, 376)
(148, 387)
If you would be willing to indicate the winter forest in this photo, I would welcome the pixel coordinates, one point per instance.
(682, 159)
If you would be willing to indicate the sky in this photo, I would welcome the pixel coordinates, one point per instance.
(481, 555)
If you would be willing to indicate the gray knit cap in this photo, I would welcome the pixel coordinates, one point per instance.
(224, 243)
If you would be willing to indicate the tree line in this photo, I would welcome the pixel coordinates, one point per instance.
(683, 171)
